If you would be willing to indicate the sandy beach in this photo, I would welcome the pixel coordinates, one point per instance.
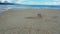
(17, 21)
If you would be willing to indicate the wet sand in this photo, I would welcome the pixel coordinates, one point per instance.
(26, 21)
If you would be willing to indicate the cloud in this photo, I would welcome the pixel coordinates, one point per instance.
(2, 0)
(20, 1)
(42, 3)
(5, 0)
(54, 2)
(9, 0)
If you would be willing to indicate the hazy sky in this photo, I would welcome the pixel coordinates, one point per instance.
(46, 2)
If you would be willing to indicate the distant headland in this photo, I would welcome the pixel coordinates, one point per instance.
(7, 3)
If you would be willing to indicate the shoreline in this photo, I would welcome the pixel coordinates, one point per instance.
(28, 9)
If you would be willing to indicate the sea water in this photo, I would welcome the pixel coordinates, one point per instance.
(6, 7)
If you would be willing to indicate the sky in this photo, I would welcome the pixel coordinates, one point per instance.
(35, 2)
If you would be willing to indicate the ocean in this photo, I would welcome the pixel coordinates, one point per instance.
(6, 7)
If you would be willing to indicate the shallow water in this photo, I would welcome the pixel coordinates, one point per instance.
(6, 7)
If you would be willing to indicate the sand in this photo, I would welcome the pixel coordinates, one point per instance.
(26, 21)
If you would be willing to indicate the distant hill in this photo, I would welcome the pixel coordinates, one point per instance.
(7, 4)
